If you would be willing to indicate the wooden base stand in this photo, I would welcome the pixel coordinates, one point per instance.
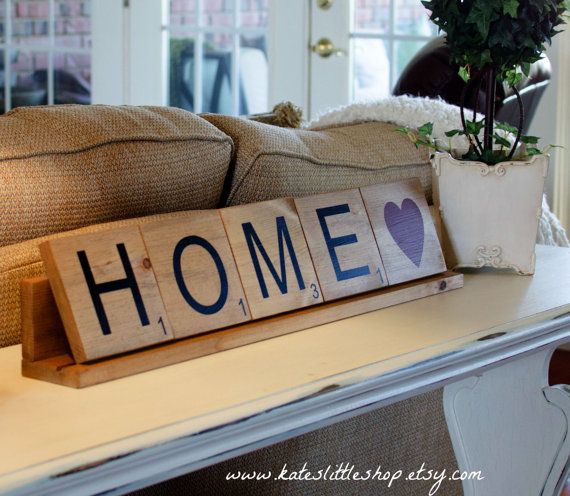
(46, 353)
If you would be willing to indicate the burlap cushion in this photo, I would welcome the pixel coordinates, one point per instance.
(69, 166)
(22, 261)
(273, 162)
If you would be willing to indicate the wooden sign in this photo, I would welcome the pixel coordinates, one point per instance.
(272, 257)
(129, 288)
(404, 230)
(55, 365)
(341, 243)
(196, 273)
(106, 292)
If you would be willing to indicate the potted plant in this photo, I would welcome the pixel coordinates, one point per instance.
(490, 194)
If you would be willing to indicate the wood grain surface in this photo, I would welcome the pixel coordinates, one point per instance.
(404, 230)
(196, 273)
(272, 257)
(42, 330)
(131, 315)
(61, 369)
(341, 243)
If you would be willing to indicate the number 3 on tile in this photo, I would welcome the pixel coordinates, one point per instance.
(316, 293)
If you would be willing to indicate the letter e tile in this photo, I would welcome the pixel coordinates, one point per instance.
(341, 243)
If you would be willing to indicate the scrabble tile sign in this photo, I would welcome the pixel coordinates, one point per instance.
(244, 272)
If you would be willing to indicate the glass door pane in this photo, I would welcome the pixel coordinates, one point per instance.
(72, 61)
(47, 52)
(371, 68)
(28, 85)
(386, 35)
(217, 55)
(412, 18)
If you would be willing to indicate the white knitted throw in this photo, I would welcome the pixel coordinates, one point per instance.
(415, 111)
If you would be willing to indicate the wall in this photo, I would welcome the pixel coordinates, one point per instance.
(552, 124)
(544, 122)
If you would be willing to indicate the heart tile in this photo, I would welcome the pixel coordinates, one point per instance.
(406, 226)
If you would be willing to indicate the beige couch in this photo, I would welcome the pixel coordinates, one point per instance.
(73, 169)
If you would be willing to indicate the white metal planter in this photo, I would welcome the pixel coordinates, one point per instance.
(490, 214)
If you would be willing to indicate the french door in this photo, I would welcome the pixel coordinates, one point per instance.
(200, 55)
(360, 47)
(243, 56)
(228, 56)
(326, 53)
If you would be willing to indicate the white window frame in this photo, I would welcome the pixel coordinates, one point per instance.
(288, 52)
(128, 53)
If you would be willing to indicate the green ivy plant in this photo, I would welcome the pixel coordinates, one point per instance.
(495, 41)
(423, 136)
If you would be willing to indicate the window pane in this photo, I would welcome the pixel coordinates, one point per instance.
(411, 18)
(183, 13)
(2, 83)
(254, 13)
(405, 51)
(218, 30)
(2, 52)
(372, 16)
(217, 73)
(371, 67)
(216, 69)
(3, 21)
(181, 72)
(73, 23)
(36, 48)
(218, 13)
(28, 85)
(30, 22)
(72, 78)
(253, 75)
(380, 55)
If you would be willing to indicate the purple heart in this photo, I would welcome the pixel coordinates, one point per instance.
(406, 226)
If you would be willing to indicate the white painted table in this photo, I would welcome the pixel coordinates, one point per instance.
(503, 418)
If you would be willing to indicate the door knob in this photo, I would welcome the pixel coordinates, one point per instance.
(325, 48)
(324, 4)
